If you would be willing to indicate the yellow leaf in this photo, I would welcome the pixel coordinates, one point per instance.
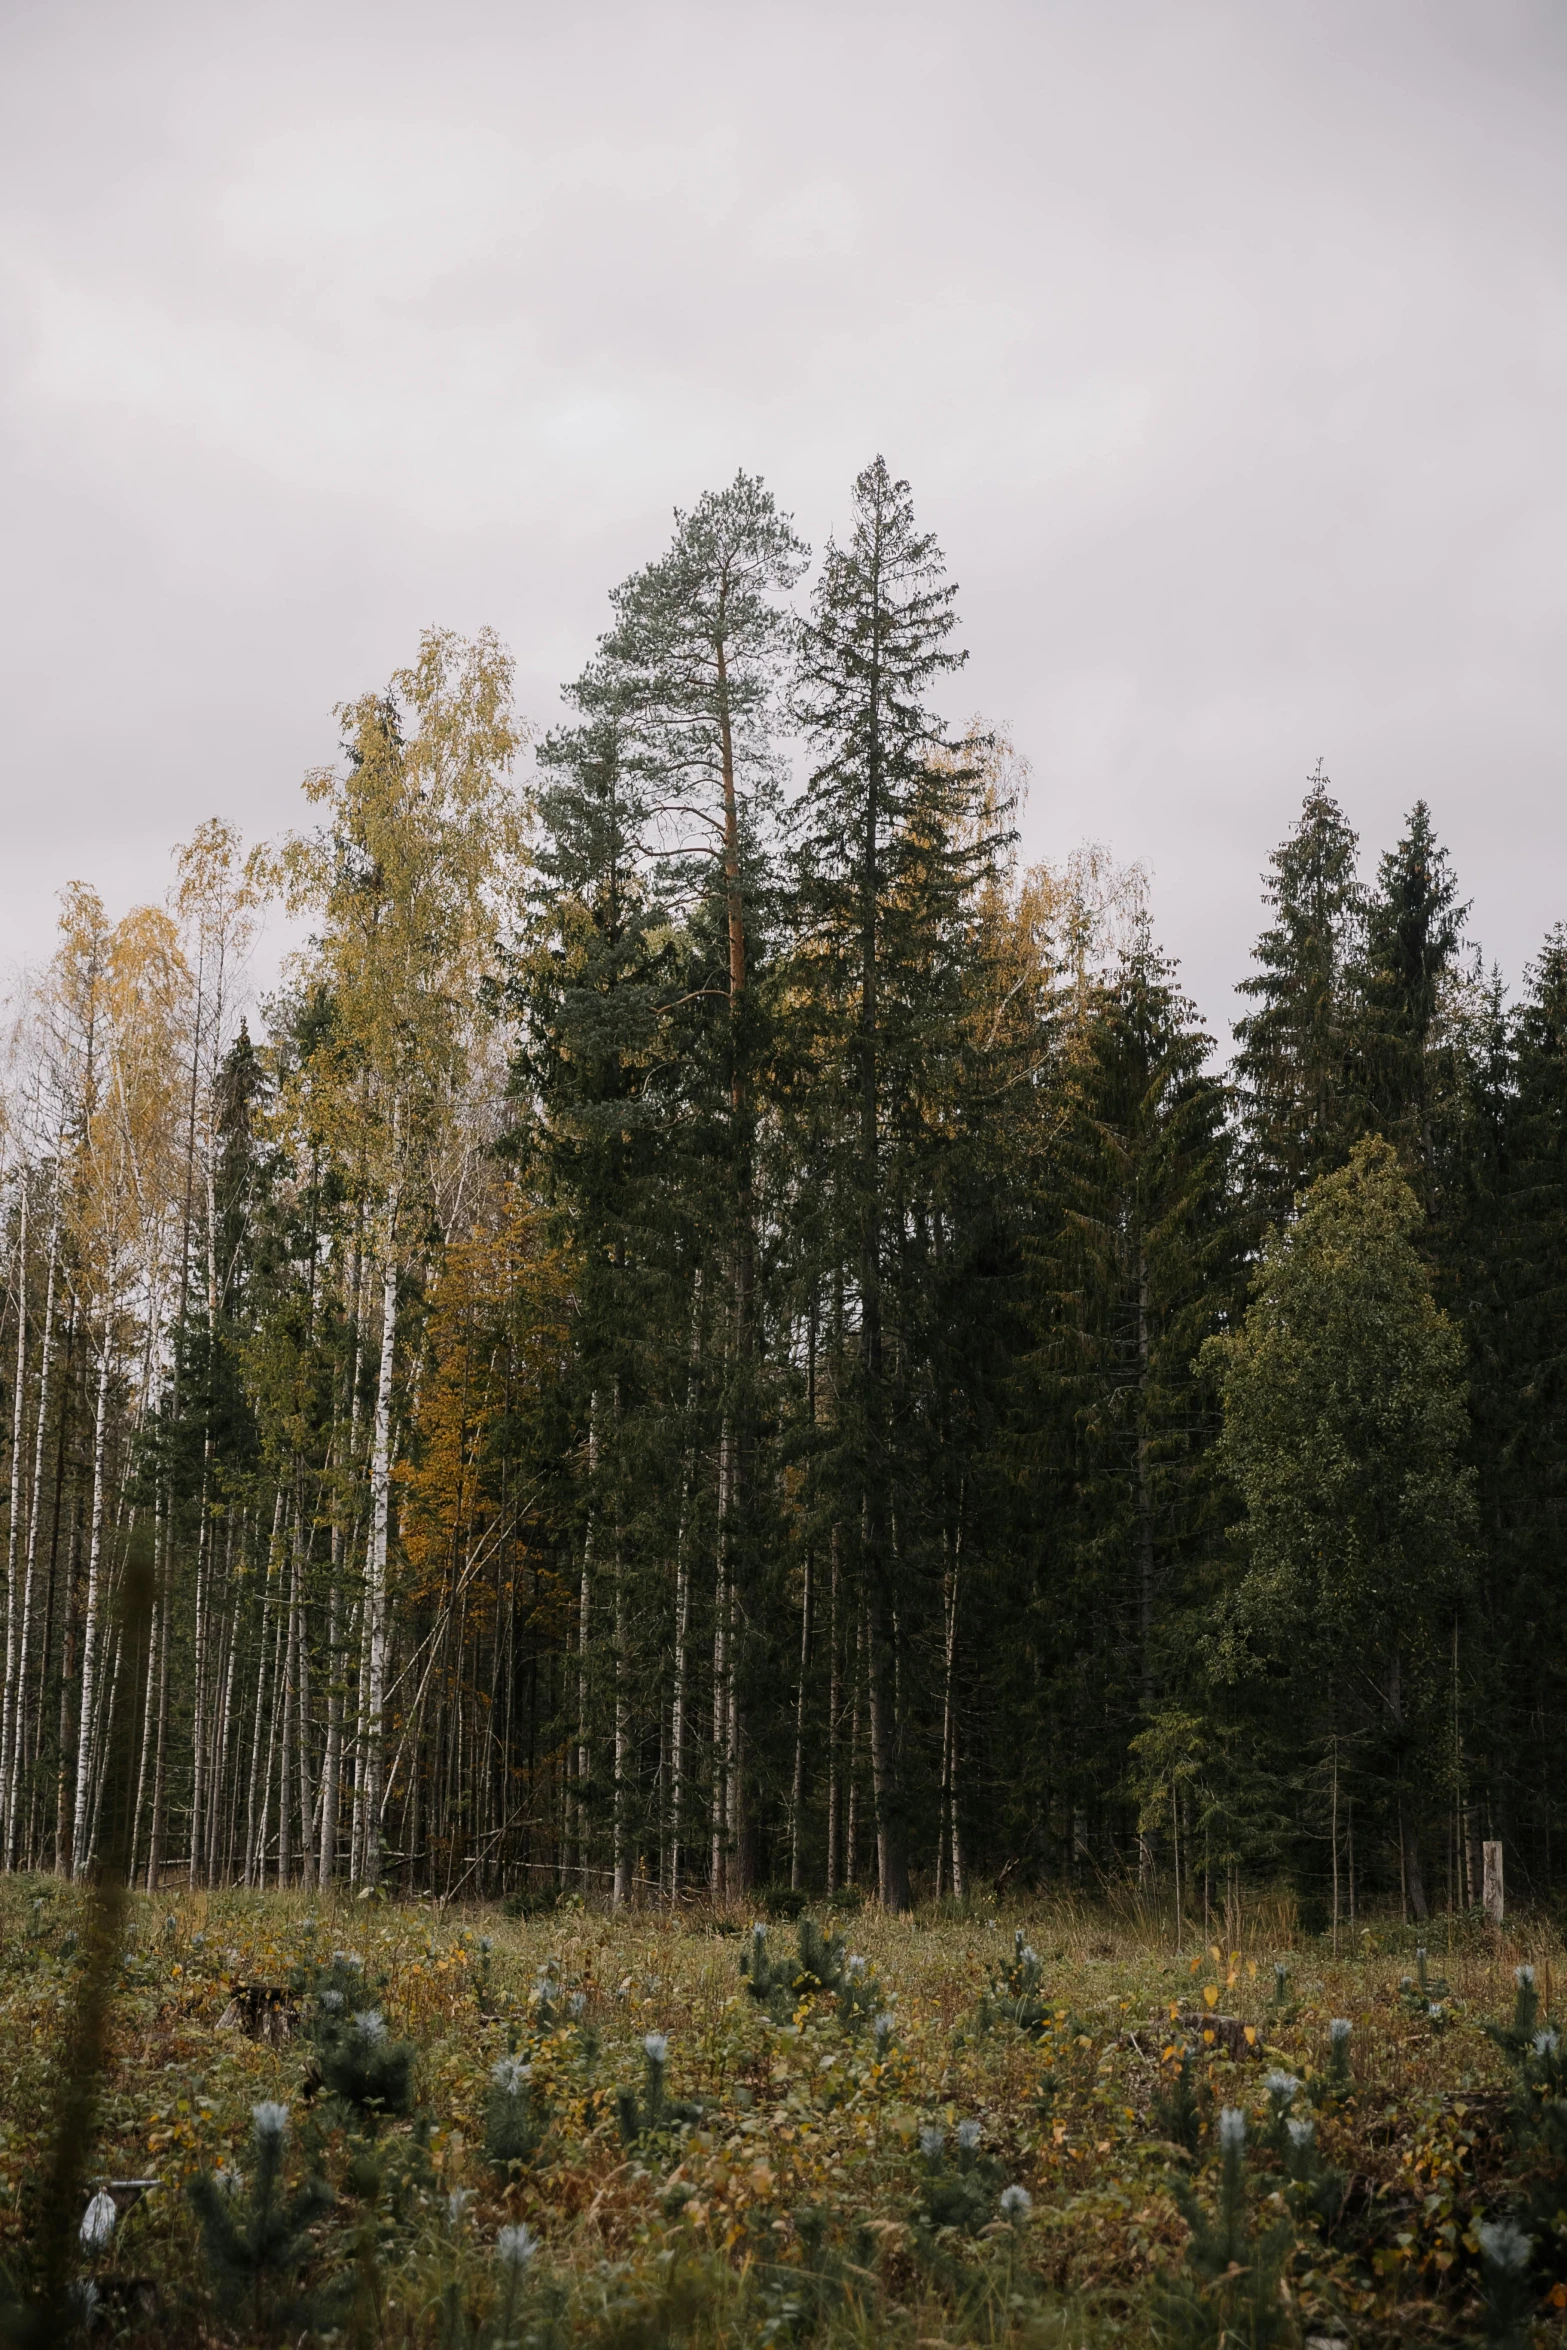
(1210, 1993)
(1251, 2035)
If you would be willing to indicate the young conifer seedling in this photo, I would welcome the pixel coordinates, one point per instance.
(257, 2244)
(515, 2116)
(656, 2110)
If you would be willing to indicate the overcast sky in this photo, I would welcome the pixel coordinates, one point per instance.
(1225, 348)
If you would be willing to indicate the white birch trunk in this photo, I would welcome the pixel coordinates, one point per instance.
(677, 1714)
(307, 1820)
(326, 1856)
(94, 1600)
(375, 1595)
(220, 1751)
(290, 1657)
(13, 1596)
(13, 1783)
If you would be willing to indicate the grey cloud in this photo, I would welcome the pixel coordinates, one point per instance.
(1225, 348)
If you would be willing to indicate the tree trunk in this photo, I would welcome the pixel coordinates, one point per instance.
(622, 1856)
(375, 1596)
(307, 1848)
(160, 1736)
(797, 1787)
(584, 1619)
(949, 1721)
(13, 1781)
(326, 1858)
(14, 1528)
(835, 1716)
(677, 1715)
(90, 1633)
(723, 1717)
(289, 1655)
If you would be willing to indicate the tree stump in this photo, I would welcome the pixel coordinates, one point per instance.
(1230, 2032)
(262, 2011)
(1491, 1855)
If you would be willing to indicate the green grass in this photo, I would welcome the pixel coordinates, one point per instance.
(771, 2186)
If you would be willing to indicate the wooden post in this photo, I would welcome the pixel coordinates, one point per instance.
(1491, 1856)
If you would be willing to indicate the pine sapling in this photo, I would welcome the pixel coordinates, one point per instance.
(1181, 2102)
(1505, 2289)
(1517, 2037)
(515, 2117)
(365, 2068)
(859, 1994)
(255, 2249)
(1281, 2009)
(960, 2182)
(656, 2110)
(1015, 1995)
(1315, 2192)
(770, 1981)
(1425, 1994)
(515, 2248)
(1230, 2291)
(1329, 2087)
(823, 1958)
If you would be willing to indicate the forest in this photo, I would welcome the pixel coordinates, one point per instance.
(721, 1332)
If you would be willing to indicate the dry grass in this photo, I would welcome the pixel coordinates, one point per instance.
(794, 2209)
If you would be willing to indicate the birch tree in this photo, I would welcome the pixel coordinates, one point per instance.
(406, 879)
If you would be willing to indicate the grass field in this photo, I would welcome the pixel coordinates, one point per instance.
(833, 2162)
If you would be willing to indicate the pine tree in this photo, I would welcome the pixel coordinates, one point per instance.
(696, 653)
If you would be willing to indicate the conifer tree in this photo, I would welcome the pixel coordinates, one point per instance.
(1296, 1049)
(1136, 1260)
(1344, 1433)
(601, 978)
(891, 845)
(696, 653)
(1412, 1076)
(1516, 1238)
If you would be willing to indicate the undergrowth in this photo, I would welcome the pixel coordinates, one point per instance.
(370, 2122)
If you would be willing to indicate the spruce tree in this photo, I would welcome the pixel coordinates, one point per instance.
(1414, 928)
(893, 840)
(1345, 1432)
(1295, 1051)
(1136, 1261)
(603, 1133)
(1515, 1681)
